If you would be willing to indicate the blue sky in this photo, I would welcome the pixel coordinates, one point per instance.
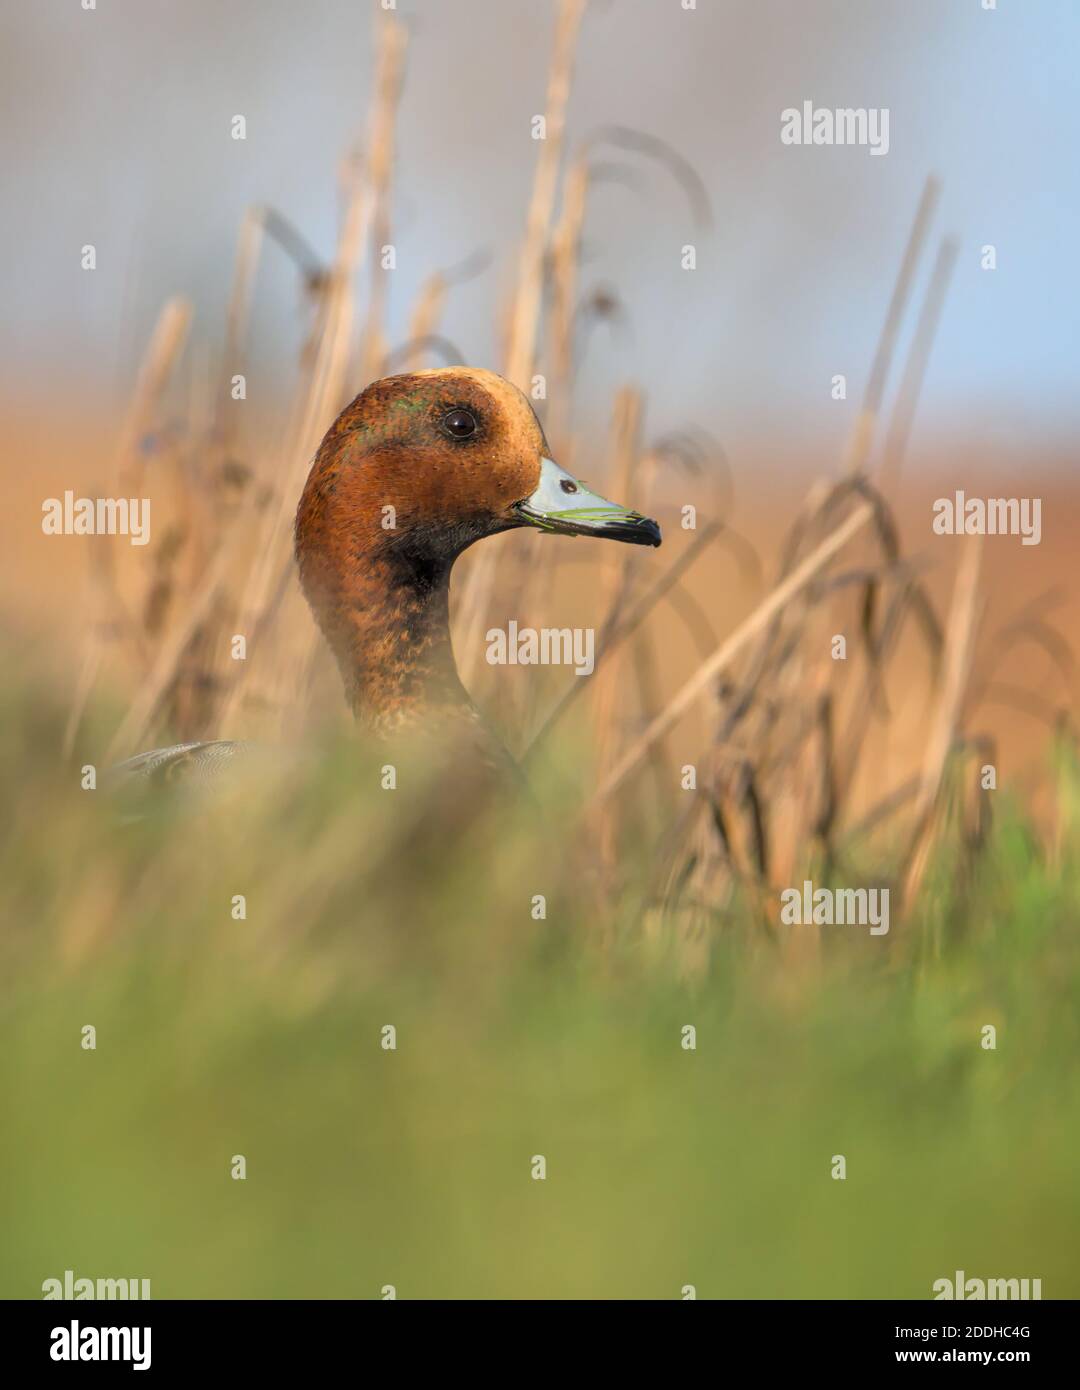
(116, 131)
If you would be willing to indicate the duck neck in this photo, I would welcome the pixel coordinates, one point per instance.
(387, 621)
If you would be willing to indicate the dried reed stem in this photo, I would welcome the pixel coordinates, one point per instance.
(609, 641)
(140, 715)
(525, 313)
(907, 398)
(728, 650)
(614, 585)
(565, 253)
(862, 434)
(238, 314)
(393, 38)
(162, 353)
(959, 649)
(109, 615)
(524, 316)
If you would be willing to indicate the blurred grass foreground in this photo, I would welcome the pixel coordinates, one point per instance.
(263, 1035)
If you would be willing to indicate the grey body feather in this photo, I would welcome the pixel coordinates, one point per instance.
(190, 763)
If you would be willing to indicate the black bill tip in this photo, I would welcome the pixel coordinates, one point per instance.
(634, 530)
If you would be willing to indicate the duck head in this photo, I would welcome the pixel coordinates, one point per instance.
(413, 471)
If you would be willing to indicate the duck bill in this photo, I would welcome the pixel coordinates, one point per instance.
(563, 505)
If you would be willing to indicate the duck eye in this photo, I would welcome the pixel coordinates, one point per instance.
(568, 486)
(459, 424)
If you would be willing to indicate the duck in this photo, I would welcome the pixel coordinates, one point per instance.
(414, 470)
